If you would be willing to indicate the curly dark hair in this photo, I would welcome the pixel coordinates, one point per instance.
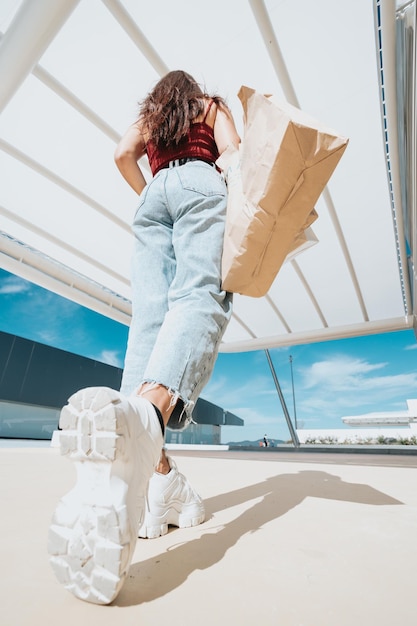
(168, 110)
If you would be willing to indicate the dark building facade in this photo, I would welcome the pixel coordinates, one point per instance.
(36, 380)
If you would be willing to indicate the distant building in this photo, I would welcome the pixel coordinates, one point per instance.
(210, 418)
(387, 418)
(385, 424)
(36, 381)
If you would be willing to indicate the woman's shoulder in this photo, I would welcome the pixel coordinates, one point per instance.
(208, 114)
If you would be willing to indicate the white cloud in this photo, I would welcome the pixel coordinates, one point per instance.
(342, 373)
(111, 357)
(226, 394)
(47, 336)
(253, 417)
(13, 285)
(347, 386)
(412, 346)
(325, 391)
(53, 321)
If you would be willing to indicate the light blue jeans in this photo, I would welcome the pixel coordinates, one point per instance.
(179, 309)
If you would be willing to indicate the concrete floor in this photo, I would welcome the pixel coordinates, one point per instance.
(290, 540)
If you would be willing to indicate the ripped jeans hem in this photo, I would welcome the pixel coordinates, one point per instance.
(181, 416)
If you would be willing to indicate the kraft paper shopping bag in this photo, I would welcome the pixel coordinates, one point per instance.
(274, 180)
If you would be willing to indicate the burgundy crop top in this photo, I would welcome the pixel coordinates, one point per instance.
(198, 144)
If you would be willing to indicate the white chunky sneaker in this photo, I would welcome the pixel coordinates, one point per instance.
(115, 443)
(171, 500)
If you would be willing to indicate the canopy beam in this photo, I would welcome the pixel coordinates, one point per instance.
(28, 36)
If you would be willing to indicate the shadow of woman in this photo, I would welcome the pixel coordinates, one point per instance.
(155, 577)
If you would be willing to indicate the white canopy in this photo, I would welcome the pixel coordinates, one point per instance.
(72, 72)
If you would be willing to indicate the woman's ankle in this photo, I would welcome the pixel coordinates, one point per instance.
(161, 397)
(163, 466)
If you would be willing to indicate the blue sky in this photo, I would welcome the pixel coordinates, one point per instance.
(331, 379)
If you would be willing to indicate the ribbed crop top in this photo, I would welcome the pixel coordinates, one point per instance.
(198, 144)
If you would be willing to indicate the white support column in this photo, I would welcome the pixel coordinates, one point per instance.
(386, 38)
(28, 36)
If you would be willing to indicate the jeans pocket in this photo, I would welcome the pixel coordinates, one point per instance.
(201, 178)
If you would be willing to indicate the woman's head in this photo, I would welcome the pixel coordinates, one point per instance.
(177, 81)
(172, 105)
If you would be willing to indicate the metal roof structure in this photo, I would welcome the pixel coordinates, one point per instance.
(72, 72)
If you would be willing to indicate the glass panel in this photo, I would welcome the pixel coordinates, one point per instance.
(24, 421)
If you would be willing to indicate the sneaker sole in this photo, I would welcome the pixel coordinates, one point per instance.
(159, 527)
(91, 540)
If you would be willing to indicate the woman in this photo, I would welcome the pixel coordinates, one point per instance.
(179, 309)
(180, 313)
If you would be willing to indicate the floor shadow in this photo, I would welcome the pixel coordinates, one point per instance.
(155, 577)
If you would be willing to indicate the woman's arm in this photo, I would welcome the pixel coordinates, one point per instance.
(127, 154)
(225, 133)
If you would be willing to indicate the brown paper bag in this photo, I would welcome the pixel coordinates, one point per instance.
(274, 180)
(303, 241)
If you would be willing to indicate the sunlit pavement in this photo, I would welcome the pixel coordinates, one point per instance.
(290, 539)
